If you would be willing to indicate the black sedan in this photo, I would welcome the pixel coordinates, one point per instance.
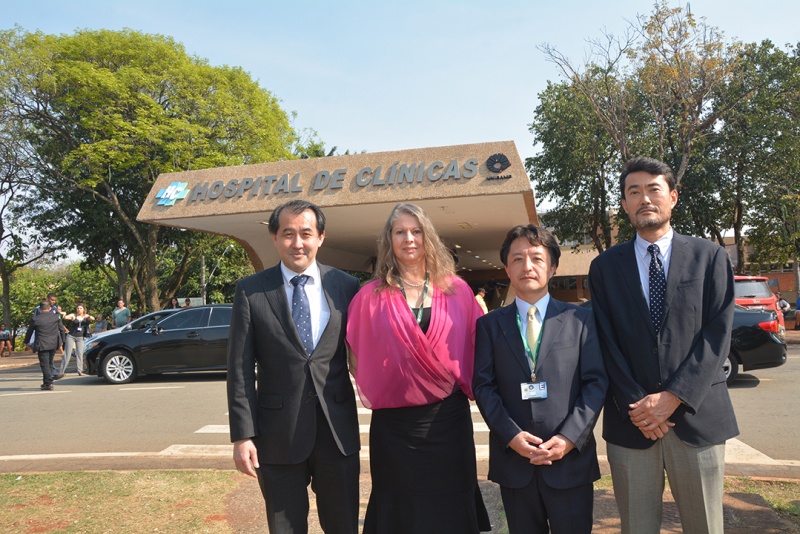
(167, 341)
(755, 342)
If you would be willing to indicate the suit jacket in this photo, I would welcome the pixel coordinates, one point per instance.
(569, 360)
(49, 331)
(685, 358)
(281, 412)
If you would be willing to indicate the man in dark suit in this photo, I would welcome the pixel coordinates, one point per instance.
(540, 384)
(664, 303)
(49, 336)
(295, 420)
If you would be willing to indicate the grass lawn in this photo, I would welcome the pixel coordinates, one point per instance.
(112, 501)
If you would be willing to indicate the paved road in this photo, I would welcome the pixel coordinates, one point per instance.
(180, 420)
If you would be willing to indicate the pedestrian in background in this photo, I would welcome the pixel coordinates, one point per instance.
(782, 304)
(121, 315)
(480, 298)
(78, 332)
(48, 329)
(52, 298)
(173, 304)
(100, 325)
(5, 341)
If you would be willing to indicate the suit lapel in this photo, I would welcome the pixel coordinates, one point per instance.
(677, 261)
(629, 271)
(508, 325)
(335, 321)
(276, 296)
(551, 330)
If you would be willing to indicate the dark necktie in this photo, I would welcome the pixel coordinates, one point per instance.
(301, 311)
(658, 287)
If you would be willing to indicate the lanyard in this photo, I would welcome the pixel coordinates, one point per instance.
(532, 355)
(424, 294)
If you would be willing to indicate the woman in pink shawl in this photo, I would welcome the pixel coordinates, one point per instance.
(412, 333)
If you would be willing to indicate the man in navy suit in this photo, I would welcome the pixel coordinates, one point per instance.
(295, 421)
(540, 384)
(664, 303)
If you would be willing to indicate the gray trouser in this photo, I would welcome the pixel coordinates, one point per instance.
(696, 477)
(77, 344)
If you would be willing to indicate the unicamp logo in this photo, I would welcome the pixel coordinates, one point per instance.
(176, 191)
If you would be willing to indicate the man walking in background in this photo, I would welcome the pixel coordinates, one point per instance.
(664, 303)
(49, 337)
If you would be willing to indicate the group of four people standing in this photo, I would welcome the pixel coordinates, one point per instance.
(540, 370)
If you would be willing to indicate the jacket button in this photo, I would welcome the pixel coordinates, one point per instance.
(311, 394)
(658, 386)
(654, 350)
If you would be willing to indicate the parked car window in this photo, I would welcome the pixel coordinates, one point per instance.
(220, 317)
(147, 321)
(186, 319)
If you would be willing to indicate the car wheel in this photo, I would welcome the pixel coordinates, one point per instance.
(119, 368)
(731, 368)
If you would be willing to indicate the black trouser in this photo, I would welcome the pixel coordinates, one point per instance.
(334, 479)
(46, 363)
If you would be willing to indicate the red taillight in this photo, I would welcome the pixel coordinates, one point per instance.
(769, 326)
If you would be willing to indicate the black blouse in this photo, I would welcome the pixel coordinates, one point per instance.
(426, 318)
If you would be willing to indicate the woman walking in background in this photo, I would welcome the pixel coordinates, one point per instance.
(75, 339)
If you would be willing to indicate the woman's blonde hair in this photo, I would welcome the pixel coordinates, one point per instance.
(438, 260)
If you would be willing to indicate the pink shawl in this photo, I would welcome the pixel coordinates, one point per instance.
(397, 364)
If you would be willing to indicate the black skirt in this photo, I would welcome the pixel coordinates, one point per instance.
(424, 479)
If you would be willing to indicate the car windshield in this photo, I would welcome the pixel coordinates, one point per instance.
(752, 289)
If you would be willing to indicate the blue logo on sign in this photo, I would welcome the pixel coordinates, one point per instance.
(176, 191)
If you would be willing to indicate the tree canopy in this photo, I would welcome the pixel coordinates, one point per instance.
(103, 114)
(723, 115)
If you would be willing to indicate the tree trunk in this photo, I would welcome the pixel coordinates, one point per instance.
(6, 297)
(150, 271)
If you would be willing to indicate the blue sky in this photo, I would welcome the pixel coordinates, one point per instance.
(393, 75)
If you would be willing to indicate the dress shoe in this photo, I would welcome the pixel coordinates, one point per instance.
(47, 387)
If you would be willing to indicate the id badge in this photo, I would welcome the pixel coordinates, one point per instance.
(534, 390)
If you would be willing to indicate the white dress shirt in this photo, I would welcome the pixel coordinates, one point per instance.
(317, 303)
(643, 259)
(541, 311)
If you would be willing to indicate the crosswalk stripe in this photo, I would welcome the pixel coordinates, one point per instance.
(214, 429)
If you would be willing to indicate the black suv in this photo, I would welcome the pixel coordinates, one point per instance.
(166, 341)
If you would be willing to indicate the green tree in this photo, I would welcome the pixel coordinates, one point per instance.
(774, 208)
(225, 261)
(577, 161)
(29, 286)
(107, 112)
(674, 89)
(18, 247)
(670, 62)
